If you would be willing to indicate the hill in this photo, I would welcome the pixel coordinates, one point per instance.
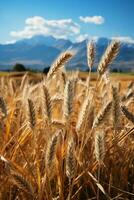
(40, 51)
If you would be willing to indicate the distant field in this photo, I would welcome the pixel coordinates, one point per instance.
(123, 78)
(119, 76)
(83, 75)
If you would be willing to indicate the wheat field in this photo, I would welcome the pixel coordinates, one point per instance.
(65, 138)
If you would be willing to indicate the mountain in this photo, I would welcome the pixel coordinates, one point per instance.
(60, 44)
(40, 51)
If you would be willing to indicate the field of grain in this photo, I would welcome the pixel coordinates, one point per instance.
(68, 136)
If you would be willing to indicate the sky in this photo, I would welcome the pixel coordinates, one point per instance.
(71, 19)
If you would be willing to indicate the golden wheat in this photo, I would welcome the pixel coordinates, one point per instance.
(109, 55)
(69, 151)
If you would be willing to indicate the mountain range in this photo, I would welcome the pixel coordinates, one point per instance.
(40, 51)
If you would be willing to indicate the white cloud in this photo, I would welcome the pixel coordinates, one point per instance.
(82, 37)
(125, 39)
(9, 42)
(36, 25)
(92, 19)
(35, 21)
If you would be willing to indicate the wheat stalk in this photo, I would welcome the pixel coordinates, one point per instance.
(12, 87)
(24, 81)
(99, 153)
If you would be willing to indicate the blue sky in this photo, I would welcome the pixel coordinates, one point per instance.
(73, 19)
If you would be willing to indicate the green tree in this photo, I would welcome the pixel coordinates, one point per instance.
(19, 67)
(46, 69)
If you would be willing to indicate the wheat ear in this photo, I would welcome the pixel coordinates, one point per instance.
(68, 98)
(60, 61)
(116, 108)
(109, 55)
(90, 54)
(47, 104)
(51, 150)
(22, 183)
(7, 166)
(130, 85)
(84, 113)
(130, 94)
(102, 115)
(70, 160)
(3, 106)
(128, 114)
(99, 146)
(31, 114)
